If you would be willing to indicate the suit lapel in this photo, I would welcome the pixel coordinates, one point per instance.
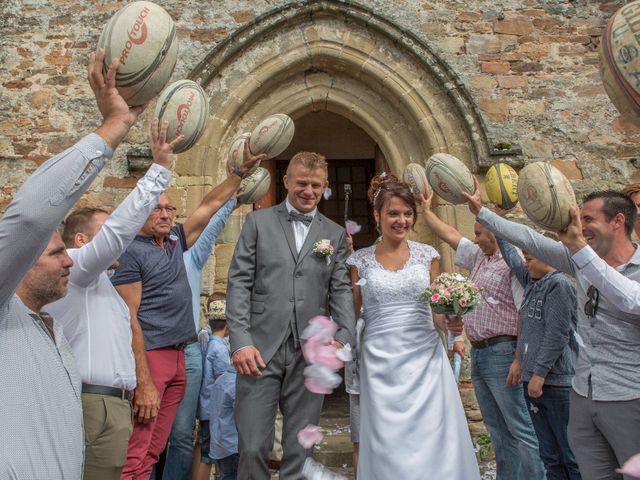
(314, 231)
(283, 216)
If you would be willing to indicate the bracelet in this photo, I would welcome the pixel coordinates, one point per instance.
(458, 338)
(240, 173)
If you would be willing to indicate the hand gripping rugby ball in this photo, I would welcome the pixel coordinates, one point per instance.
(546, 195)
(142, 36)
(235, 157)
(501, 183)
(255, 186)
(416, 177)
(186, 107)
(272, 135)
(620, 61)
(449, 177)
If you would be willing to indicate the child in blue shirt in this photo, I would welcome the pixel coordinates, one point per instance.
(216, 363)
(222, 425)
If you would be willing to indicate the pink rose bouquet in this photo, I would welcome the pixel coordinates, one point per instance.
(451, 293)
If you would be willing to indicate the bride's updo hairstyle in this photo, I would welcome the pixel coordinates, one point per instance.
(385, 186)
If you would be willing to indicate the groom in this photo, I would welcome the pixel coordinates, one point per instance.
(278, 281)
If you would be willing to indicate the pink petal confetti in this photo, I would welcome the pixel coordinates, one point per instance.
(345, 353)
(311, 346)
(352, 227)
(326, 355)
(320, 325)
(312, 470)
(631, 466)
(321, 379)
(309, 436)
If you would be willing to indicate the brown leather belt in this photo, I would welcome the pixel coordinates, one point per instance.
(493, 340)
(180, 346)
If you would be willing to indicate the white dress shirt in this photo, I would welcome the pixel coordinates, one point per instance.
(94, 318)
(300, 230)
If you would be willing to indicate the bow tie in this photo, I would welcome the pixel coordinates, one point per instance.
(299, 217)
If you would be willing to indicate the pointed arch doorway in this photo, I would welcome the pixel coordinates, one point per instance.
(326, 61)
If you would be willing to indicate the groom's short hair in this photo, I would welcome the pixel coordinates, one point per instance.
(310, 160)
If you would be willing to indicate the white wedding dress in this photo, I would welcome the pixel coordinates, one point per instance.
(413, 425)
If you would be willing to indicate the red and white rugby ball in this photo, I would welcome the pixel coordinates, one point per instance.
(272, 135)
(255, 186)
(186, 107)
(142, 36)
(415, 175)
(449, 177)
(546, 196)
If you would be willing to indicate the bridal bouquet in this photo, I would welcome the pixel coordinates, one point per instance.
(451, 293)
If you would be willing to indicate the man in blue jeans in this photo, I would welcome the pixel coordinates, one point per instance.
(180, 449)
(492, 329)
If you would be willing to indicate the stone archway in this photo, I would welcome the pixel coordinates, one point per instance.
(345, 59)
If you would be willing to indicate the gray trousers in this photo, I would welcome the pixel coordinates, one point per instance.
(281, 383)
(603, 435)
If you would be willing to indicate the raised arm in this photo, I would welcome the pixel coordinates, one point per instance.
(340, 295)
(197, 221)
(545, 249)
(441, 229)
(201, 250)
(43, 201)
(123, 224)
(515, 262)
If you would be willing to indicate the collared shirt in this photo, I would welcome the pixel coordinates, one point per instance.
(41, 408)
(222, 423)
(217, 361)
(609, 353)
(496, 314)
(94, 318)
(165, 313)
(300, 230)
(196, 257)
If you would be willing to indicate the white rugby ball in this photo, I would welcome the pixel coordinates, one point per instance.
(186, 107)
(142, 36)
(449, 177)
(415, 175)
(272, 135)
(546, 195)
(255, 186)
(235, 157)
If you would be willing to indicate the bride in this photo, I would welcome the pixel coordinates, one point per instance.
(413, 425)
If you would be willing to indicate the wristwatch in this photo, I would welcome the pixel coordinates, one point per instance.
(240, 173)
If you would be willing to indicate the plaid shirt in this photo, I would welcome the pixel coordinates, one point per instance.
(496, 314)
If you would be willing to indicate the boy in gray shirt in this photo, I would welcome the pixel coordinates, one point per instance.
(547, 319)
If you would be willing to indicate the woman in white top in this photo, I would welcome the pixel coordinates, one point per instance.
(412, 421)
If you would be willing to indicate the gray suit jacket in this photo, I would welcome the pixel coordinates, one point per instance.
(271, 287)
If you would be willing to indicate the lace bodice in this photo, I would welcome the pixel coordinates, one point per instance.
(380, 286)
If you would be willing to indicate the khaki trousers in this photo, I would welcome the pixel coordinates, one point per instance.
(107, 428)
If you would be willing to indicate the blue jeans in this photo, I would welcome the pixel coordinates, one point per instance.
(229, 467)
(505, 414)
(180, 449)
(550, 417)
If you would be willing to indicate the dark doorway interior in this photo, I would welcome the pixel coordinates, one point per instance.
(355, 173)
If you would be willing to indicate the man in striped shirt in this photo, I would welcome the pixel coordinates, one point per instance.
(41, 416)
(492, 328)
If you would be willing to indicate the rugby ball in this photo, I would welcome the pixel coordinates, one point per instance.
(501, 183)
(416, 177)
(272, 135)
(546, 196)
(620, 61)
(255, 186)
(186, 107)
(449, 177)
(142, 36)
(235, 157)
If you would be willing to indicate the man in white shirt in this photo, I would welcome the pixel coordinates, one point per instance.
(95, 319)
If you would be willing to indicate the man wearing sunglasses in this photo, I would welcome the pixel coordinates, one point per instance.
(596, 248)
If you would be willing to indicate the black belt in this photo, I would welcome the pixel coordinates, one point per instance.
(493, 340)
(180, 346)
(110, 391)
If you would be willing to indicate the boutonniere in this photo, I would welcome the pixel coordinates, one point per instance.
(323, 248)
